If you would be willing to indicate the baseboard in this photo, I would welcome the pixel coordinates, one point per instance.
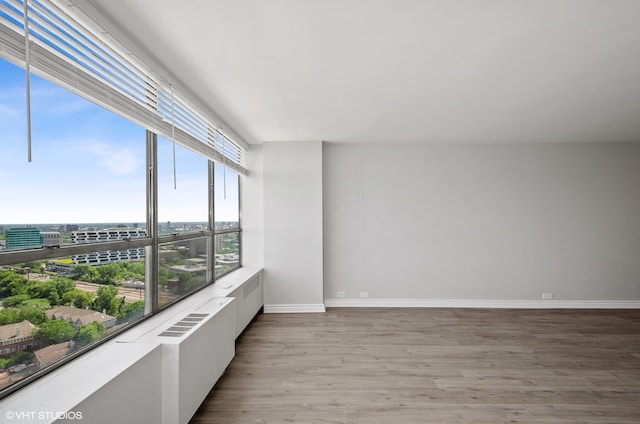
(482, 303)
(293, 308)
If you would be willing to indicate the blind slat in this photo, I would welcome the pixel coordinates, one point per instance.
(65, 47)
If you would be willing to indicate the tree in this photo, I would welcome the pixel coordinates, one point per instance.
(89, 333)
(106, 299)
(42, 304)
(164, 275)
(17, 358)
(12, 283)
(63, 285)
(55, 331)
(134, 270)
(33, 314)
(131, 311)
(78, 298)
(16, 300)
(84, 273)
(44, 290)
(9, 316)
(188, 283)
(110, 273)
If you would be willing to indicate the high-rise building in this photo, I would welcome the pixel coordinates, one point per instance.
(108, 256)
(23, 238)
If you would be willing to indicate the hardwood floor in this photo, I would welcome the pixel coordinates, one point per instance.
(433, 366)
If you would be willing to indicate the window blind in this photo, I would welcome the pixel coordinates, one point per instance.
(73, 50)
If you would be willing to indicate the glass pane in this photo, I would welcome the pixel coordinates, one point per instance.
(51, 308)
(227, 252)
(227, 198)
(182, 208)
(183, 268)
(86, 183)
(87, 169)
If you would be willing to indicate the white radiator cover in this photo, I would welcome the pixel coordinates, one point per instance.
(193, 362)
(249, 300)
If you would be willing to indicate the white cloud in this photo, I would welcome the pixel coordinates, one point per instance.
(119, 160)
(10, 112)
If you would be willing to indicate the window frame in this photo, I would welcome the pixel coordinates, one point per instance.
(156, 107)
(151, 243)
(227, 231)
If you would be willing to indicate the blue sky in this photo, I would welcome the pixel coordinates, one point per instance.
(88, 164)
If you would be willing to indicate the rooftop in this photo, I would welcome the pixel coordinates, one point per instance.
(19, 329)
(84, 316)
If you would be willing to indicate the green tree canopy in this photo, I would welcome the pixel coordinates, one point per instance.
(63, 285)
(84, 273)
(9, 316)
(134, 270)
(89, 333)
(12, 283)
(55, 331)
(106, 300)
(11, 301)
(16, 358)
(110, 273)
(131, 311)
(78, 298)
(33, 314)
(188, 282)
(44, 290)
(42, 304)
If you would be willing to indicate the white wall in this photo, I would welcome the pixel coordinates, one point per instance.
(497, 222)
(252, 210)
(293, 268)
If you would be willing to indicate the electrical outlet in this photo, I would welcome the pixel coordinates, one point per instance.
(340, 294)
(547, 295)
(364, 294)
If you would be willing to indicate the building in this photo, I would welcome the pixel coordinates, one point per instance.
(16, 337)
(107, 234)
(194, 266)
(51, 238)
(494, 146)
(60, 267)
(79, 317)
(23, 238)
(53, 353)
(108, 256)
(30, 238)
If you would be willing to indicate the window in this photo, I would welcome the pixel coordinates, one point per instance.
(108, 223)
(78, 262)
(182, 268)
(183, 200)
(227, 219)
(85, 186)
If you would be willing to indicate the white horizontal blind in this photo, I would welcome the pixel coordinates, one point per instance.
(74, 51)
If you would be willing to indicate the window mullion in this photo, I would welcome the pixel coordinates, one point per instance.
(152, 254)
(211, 252)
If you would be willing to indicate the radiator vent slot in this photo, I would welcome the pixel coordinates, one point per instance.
(181, 327)
(250, 286)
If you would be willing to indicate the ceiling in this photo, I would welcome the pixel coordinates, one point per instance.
(402, 71)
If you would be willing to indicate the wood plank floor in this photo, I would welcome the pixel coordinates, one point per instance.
(433, 366)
